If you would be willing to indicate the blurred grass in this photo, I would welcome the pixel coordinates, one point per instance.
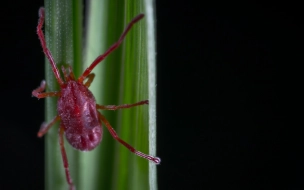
(122, 78)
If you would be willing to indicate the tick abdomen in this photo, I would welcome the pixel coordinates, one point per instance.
(77, 110)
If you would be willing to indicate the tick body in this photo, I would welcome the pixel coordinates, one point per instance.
(80, 121)
(79, 116)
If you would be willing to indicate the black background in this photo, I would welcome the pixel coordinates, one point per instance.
(225, 77)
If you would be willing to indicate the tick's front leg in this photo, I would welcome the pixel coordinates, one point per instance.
(38, 92)
(45, 48)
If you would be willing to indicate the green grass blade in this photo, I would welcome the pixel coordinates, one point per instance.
(102, 30)
(63, 24)
(151, 59)
(122, 78)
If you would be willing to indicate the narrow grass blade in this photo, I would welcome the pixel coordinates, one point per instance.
(122, 78)
(63, 24)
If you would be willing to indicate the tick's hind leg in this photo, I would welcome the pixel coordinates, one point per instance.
(114, 107)
(38, 92)
(45, 127)
(65, 159)
(156, 160)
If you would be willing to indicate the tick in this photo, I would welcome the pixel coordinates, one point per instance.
(81, 123)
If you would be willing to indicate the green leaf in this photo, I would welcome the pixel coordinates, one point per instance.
(63, 24)
(125, 76)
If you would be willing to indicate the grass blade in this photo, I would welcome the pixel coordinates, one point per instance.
(63, 23)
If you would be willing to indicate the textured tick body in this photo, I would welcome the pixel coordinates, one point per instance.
(79, 116)
(76, 107)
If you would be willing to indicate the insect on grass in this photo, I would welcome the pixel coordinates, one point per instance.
(81, 123)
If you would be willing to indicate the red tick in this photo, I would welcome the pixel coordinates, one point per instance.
(76, 107)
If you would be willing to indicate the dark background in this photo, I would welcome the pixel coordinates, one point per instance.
(225, 77)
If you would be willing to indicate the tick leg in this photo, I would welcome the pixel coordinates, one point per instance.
(111, 49)
(156, 160)
(66, 77)
(65, 159)
(71, 73)
(45, 127)
(90, 78)
(44, 47)
(37, 92)
(114, 107)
